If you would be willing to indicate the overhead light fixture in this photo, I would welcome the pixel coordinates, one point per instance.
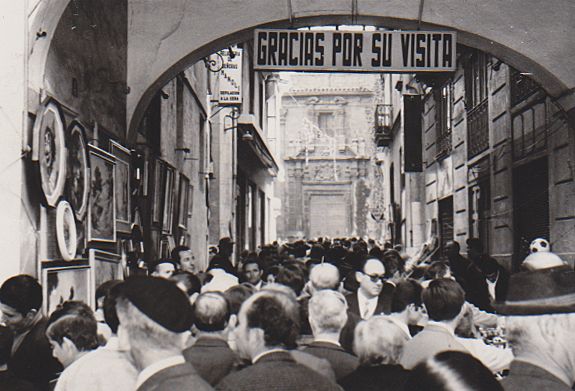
(247, 136)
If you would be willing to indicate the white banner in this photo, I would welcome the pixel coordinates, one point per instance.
(354, 51)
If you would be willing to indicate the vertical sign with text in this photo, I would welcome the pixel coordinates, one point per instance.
(230, 77)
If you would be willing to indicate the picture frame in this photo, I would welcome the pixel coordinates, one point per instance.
(105, 266)
(102, 207)
(168, 200)
(49, 151)
(157, 197)
(122, 189)
(183, 201)
(78, 185)
(66, 234)
(62, 281)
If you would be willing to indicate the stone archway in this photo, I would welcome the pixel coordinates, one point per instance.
(530, 35)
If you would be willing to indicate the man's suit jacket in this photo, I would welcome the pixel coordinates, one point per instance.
(177, 377)
(341, 361)
(430, 341)
(526, 377)
(354, 317)
(376, 378)
(212, 358)
(33, 360)
(276, 371)
(479, 294)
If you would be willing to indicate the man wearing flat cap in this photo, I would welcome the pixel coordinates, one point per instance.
(155, 319)
(541, 329)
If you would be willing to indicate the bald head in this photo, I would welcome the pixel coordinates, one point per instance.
(327, 312)
(211, 312)
(324, 276)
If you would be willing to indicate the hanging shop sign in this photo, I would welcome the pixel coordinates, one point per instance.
(230, 77)
(354, 51)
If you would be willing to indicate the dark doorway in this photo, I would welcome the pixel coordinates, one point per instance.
(530, 206)
(445, 223)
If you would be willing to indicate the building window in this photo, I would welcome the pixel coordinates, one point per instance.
(529, 130)
(522, 87)
(444, 118)
(325, 123)
(476, 104)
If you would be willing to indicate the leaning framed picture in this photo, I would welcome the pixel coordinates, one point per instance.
(168, 200)
(78, 187)
(49, 151)
(101, 210)
(105, 266)
(122, 188)
(183, 201)
(63, 281)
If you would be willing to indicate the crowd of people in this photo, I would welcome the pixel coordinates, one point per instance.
(309, 315)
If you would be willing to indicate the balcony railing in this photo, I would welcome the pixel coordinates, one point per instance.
(443, 145)
(522, 86)
(383, 124)
(477, 130)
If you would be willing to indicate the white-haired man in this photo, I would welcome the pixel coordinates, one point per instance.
(540, 329)
(323, 276)
(327, 317)
(155, 318)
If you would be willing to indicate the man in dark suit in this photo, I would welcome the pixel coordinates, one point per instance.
(155, 319)
(211, 355)
(327, 316)
(373, 297)
(31, 359)
(7, 380)
(267, 327)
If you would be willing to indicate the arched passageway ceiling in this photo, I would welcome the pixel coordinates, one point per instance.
(165, 37)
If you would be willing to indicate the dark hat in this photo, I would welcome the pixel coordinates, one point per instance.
(538, 292)
(226, 240)
(160, 300)
(474, 243)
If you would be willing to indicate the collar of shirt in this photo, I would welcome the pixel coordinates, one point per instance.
(325, 340)
(363, 302)
(441, 325)
(113, 343)
(491, 286)
(156, 367)
(401, 325)
(259, 356)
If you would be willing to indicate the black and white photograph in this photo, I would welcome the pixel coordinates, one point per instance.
(290, 195)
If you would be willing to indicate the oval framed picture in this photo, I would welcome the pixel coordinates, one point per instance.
(78, 187)
(66, 231)
(50, 152)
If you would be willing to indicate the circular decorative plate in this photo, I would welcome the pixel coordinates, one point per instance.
(51, 152)
(78, 188)
(66, 231)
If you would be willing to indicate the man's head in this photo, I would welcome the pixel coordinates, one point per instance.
(155, 319)
(72, 330)
(291, 274)
(394, 264)
(163, 268)
(437, 270)
(226, 247)
(268, 319)
(452, 249)
(490, 268)
(378, 341)
(185, 259)
(252, 271)
(407, 299)
(20, 302)
(371, 277)
(474, 248)
(327, 312)
(211, 312)
(324, 276)
(443, 299)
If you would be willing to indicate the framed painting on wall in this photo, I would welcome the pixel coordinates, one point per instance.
(157, 183)
(49, 151)
(78, 188)
(168, 200)
(63, 281)
(101, 210)
(122, 187)
(105, 266)
(183, 201)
